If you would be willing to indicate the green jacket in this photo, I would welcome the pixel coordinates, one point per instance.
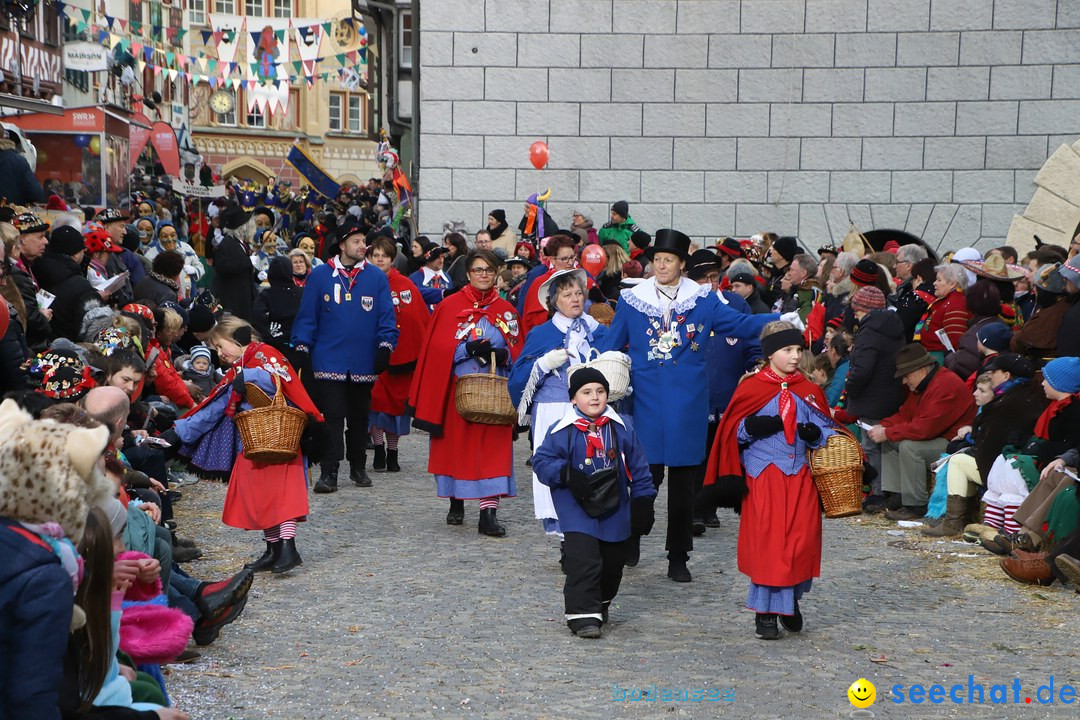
(619, 233)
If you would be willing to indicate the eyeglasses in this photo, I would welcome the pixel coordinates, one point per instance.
(566, 258)
(482, 271)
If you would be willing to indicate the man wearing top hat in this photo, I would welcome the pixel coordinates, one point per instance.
(346, 322)
(234, 275)
(666, 322)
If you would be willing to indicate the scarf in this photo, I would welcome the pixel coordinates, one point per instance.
(299, 280)
(1008, 385)
(498, 230)
(594, 441)
(172, 284)
(481, 306)
(53, 535)
(786, 400)
(1042, 425)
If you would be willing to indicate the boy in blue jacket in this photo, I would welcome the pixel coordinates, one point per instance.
(593, 438)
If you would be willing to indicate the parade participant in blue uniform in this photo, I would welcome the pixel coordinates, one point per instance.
(599, 478)
(666, 322)
(726, 359)
(538, 380)
(430, 278)
(346, 322)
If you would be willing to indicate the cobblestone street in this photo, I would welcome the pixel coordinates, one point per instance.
(394, 614)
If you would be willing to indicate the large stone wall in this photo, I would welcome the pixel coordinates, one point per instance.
(722, 117)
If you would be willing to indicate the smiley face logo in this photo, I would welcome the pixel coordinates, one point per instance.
(862, 693)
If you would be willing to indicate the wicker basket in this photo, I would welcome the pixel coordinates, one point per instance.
(484, 398)
(615, 366)
(271, 434)
(256, 397)
(602, 313)
(838, 469)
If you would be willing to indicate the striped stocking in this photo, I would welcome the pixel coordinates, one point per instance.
(489, 503)
(994, 516)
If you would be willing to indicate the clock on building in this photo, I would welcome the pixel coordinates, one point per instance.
(222, 102)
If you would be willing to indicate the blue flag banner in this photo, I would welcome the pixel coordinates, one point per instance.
(319, 180)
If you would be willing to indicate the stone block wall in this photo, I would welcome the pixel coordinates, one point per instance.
(728, 117)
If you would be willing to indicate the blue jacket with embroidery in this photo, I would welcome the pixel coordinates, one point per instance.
(671, 398)
(343, 329)
(566, 445)
(727, 358)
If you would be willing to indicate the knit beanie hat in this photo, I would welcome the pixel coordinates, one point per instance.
(1071, 270)
(201, 351)
(66, 240)
(866, 299)
(117, 514)
(200, 319)
(641, 239)
(499, 214)
(584, 376)
(995, 336)
(865, 273)
(787, 247)
(1063, 374)
(621, 208)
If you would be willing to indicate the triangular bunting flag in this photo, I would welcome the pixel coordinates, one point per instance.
(110, 20)
(206, 35)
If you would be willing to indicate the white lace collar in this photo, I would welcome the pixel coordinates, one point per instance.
(571, 416)
(429, 273)
(643, 297)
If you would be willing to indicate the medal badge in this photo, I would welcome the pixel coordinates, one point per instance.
(406, 296)
(367, 302)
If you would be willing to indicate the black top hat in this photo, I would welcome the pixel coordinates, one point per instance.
(234, 217)
(669, 241)
(702, 262)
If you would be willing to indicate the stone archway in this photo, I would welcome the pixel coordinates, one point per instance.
(247, 168)
(1054, 211)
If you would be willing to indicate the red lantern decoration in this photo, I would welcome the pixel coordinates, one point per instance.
(538, 154)
(593, 259)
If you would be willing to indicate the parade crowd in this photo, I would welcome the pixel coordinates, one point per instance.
(134, 338)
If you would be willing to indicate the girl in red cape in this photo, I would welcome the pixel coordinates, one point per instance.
(388, 420)
(775, 416)
(470, 461)
(271, 498)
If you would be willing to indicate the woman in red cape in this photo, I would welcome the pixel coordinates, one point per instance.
(271, 498)
(470, 461)
(759, 461)
(388, 420)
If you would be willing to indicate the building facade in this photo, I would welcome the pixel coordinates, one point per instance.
(722, 117)
(331, 120)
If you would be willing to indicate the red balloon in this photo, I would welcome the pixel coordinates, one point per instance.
(593, 259)
(538, 154)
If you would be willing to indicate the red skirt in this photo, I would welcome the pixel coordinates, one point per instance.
(780, 529)
(471, 451)
(390, 393)
(262, 496)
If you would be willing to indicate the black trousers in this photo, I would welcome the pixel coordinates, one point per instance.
(699, 480)
(151, 460)
(346, 406)
(594, 571)
(680, 507)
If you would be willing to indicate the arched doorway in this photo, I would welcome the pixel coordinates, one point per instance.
(1053, 215)
(247, 168)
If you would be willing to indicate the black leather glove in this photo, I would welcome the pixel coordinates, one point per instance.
(596, 295)
(382, 360)
(313, 441)
(501, 356)
(809, 432)
(727, 491)
(761, 426)
(642, 516)
(449, 291)
(479, 349)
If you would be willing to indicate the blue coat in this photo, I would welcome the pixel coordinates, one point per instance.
(727, 358)
(432, 295)
(671, 399)
(343, 334)
(36, 598)
(539, 341)
(564, 444)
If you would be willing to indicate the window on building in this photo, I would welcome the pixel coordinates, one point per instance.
(77, 79)
(226, 7)
(405, 30)
(156, 14)
(198, 11)
(356, 118)
(254, 8)
(337, 103)
(52, 25)
(283, 8)
(135, 11)
(256, 118)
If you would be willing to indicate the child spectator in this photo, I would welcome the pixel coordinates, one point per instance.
(200, 370)
(593, 447)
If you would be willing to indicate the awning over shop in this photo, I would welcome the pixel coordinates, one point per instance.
(77, 120)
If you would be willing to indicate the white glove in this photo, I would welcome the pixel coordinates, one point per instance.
(794, 319)
(190, 270)
(262, 276)
(553, 359)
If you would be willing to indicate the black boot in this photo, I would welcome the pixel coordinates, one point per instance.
(327, 479)
(633, 550)
(562, 556)
(391, 461)
(268, 558)
(288, 558)
(456, 516)
(765, 626)
(677, 569)
(698, 527)
(489, 524)
(358, 473)
(792, 623)
(379, 463)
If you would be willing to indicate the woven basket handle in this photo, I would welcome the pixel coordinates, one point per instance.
(492, 370)
(279, 397)
(593, 355)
